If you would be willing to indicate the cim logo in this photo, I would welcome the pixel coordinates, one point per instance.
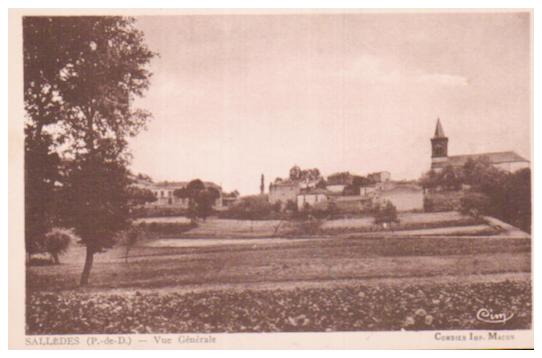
(487, 316)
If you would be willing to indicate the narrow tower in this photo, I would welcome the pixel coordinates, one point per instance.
(262, 185)
(439, 146)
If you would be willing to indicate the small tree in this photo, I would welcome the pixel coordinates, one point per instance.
(56, 242)
(101, 209)
(131, 237)
(385, 213)
(200, 198)
(194, 187)
(204, 200)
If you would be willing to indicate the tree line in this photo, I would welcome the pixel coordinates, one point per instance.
(488, 190)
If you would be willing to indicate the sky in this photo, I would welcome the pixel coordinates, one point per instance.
(237, 96)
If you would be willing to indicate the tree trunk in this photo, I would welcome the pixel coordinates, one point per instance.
(88, 265)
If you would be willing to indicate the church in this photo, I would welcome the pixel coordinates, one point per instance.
(508, 161)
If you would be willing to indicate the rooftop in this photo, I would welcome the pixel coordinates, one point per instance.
(182, 184)
(494, 158)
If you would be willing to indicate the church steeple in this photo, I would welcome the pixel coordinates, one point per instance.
(439, 132)
(439, 142)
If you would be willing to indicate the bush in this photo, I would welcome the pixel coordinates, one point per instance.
(277, 206)
(161, 230)
(130, 237)
(385, 213)
(156, 211)
(56, 242)
(309, 226)
(291, 206)
(474, 204)
(254, 207)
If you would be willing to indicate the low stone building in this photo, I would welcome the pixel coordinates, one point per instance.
(164, 193)
(353, 203)
(379, 177)
(283, 192)
(405, 197)
(313, 198)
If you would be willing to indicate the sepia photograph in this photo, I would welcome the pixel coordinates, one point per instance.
(198, 173)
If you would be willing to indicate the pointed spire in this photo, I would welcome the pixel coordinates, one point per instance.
(439, 132)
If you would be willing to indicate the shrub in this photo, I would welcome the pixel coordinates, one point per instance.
(130, 237)
(474, 204)
(291, 206)
(56, 242)
(309, 226)
(385, 213)
(254, 207)
(277, 206)
(157, 211)
(161, 230)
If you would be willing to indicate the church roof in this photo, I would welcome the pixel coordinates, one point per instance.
(494, 158)
(439, 132)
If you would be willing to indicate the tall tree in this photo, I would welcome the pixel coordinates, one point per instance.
(94, 67)
(43, 109)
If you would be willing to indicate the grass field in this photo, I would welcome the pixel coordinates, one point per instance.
(290, 260)
(442, 223)
(313, 278)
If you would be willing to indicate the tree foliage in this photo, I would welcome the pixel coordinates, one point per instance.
(200, 198)
(139, 196)
(252, 207)
(298, 174)
(385, 213)
(41, 172)
(56, 242)
(475, 204)
(82, 74)
(492, 191)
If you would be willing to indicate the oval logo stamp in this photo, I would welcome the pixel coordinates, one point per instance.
(487, 316)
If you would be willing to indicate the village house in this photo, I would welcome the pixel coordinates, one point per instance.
(508, 161)
(337, 182)
(165, 197)
(283, 191)
(287, 190)
(313, 197)
(379, 177)
(404, 196)
(375, 188)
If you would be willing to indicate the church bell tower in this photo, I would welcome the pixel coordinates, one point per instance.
(439, 148)
(439, 142)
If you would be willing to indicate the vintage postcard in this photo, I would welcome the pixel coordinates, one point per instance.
(303, 178)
